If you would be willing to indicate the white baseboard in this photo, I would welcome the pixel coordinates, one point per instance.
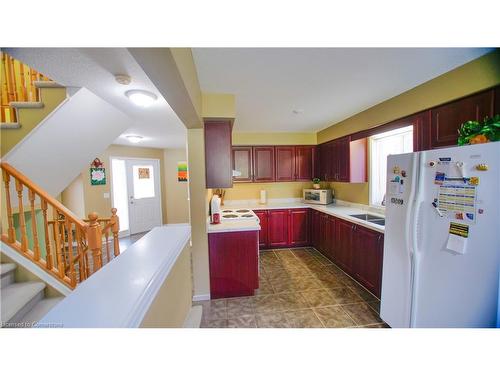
(201, 297)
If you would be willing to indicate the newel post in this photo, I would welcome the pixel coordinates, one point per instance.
(95, 240)
(115, 228)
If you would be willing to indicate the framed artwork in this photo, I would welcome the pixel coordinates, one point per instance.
(182, 171)
(97, 173)
(143, 173)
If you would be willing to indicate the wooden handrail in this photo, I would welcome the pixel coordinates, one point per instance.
(42, 193)
(64, 252)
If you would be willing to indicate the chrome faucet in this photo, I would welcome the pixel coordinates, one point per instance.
(383, 201)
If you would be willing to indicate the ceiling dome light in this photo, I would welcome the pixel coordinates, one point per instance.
(134, 138)
(142, 98)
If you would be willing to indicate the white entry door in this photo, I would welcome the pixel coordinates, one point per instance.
(144, 196)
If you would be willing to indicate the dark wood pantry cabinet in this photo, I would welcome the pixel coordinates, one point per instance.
(218, 154)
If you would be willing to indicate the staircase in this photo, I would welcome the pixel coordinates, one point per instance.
(45, 232)
(23, 304)
(27, 97)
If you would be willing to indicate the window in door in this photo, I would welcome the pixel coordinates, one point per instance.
(144, 181)
(398, 141)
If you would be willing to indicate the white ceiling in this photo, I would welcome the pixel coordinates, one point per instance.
(94, 68)
(328, 84)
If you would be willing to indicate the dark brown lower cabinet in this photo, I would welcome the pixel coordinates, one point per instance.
(343, 240)
(367, 254)
(356, 249)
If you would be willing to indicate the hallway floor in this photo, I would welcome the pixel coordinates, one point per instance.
(299, 288)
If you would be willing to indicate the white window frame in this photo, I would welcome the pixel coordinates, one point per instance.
(372, 172)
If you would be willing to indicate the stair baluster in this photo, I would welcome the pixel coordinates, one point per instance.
(34, 232)
(10, 218)
(22, 219)
(69, 241)
(48, 248)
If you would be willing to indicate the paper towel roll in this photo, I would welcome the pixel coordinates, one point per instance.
(263, 197)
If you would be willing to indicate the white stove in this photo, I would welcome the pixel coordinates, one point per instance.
(228, 214)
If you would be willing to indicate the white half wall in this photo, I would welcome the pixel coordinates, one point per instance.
(67, 141)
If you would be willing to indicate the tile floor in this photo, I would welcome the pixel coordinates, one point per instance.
(299, 288)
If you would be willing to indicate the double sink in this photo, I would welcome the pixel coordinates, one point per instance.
(370, 218)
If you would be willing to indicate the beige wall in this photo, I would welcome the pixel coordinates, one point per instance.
(29, 118)
(198, 204)
(177, 200)
(248, 191)
(243, 139)
(94, 195)
(472, 77)
(73, 197)
(173, 301)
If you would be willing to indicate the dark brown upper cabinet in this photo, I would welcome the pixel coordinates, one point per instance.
(447, 118)
(218, 154)
(285, 163)
(305, 160)
(343, 160)
(263, 164)
(243, 163)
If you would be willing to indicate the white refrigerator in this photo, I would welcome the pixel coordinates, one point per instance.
(442, 238)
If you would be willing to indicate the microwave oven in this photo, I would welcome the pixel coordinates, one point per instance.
(317, 196)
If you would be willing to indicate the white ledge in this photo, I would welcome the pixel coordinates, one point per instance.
(10, 125)
(120, 294)
(26, 104)
(47, 85)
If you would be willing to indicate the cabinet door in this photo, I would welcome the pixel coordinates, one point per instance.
(234, 271)
(342, 162)
(343, 249)
(242, 162)
(315, 229)
(367, 258)
(263, 233)
(278, 228)
(332, 244)
(304, 163)
(285, 163)
(446, 119)
(325, 162)
(323, 227)
(263, 164)
(299, 227)
(218, 154)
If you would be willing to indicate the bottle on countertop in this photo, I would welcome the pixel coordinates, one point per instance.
(215, 209)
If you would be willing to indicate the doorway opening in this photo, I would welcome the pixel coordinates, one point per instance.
(136, 194)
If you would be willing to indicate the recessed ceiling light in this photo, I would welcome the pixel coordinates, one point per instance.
(298, 111)
(141, 98)
(134, 138)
